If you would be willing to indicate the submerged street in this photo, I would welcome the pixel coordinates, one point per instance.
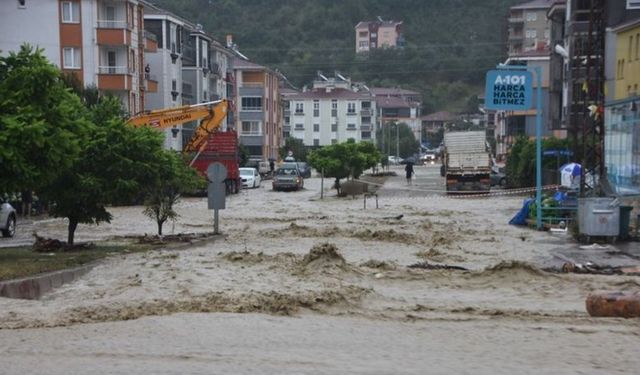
(297, 284)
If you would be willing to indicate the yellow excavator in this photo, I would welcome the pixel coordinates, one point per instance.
(208, 143)
(210, 115)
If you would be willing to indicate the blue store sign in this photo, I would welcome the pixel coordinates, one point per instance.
(510, 90)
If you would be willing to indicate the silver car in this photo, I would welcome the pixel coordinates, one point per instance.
(7, 220)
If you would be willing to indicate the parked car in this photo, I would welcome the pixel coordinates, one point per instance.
(305, 170)
(498, 177)
(287, 179)
(7, 220)
(250, 177)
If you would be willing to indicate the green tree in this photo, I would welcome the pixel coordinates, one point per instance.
(42, 124)
(296, 146)
(173, 179)
(521, 160)
(344, 160)
(393, 135)
(115, 162)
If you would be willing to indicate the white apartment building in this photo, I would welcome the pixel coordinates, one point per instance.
(101, 42)
(188, 65)
(332, 112)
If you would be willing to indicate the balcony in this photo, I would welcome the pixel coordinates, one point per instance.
(351, 113)
(516, 19)
(298, 113)
(365, 127)
(150, 42)
(251, 90)
(287, 112)
(113, 33)
(114, 78)
(366, 112)
(150, 83)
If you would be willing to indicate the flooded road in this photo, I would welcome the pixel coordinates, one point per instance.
(302, 285)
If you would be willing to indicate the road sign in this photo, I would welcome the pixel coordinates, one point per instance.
(509, 90)
(216, 172)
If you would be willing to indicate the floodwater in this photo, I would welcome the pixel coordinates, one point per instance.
(302, 285)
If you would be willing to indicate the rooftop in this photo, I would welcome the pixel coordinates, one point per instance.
(333, 94)
(365, 24)
(393, 91)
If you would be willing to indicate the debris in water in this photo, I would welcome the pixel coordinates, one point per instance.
(324, 255)
(428, 266)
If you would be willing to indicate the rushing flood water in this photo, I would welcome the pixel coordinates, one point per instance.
(300, 285)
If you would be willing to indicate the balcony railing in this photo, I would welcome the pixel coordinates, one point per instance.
(112, 24)
(366, 112)
(151, 36)
(113, 70)
(516, 19)
(248, 108)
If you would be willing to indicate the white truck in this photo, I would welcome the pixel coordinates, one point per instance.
(466, 164)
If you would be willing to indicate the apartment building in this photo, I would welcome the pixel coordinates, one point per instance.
(258, 110)
(101, 42)
(333, 111)
(529, 28)
(188, 67)
(399, 106)
(378, 34)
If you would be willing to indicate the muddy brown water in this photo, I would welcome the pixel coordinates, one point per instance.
(299, 285)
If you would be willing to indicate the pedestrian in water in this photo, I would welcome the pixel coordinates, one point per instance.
(409, 169)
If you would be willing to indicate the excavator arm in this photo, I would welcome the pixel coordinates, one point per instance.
(209, 114)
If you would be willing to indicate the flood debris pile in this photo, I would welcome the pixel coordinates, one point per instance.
(430, 266)
(50, 245)
(323, 256)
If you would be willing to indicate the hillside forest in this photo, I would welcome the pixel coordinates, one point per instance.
(450, 44)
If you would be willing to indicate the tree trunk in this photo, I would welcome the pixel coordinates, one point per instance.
(160, 222)
(73, 224)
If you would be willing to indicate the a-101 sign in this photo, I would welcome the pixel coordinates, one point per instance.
(509, 90)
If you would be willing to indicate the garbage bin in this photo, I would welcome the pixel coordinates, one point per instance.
(625, 219)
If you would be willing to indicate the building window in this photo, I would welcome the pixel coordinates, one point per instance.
(287, 120)
(71, 58)
(299, 127)
(374, 35)
(334, 141)
(366, 135)
(637, 46)
(286, 134)
(532, 16)
(531, 34)
(252, 104)
(363, 34)
(363, 44)
(70, 12)
(546, 34)
(351, 108)
(334, 127)
(366, 120)
(316, 142)
(351, 126)
(316, 128)
(316, 108)
(366, 105)
(299, 108)
(251, 128)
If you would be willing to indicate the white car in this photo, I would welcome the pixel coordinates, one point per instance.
(250, 178)
(7, 220)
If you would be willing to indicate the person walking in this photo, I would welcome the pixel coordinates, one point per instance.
(409, 169)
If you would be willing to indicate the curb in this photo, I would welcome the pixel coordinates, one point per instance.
(34, 287)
